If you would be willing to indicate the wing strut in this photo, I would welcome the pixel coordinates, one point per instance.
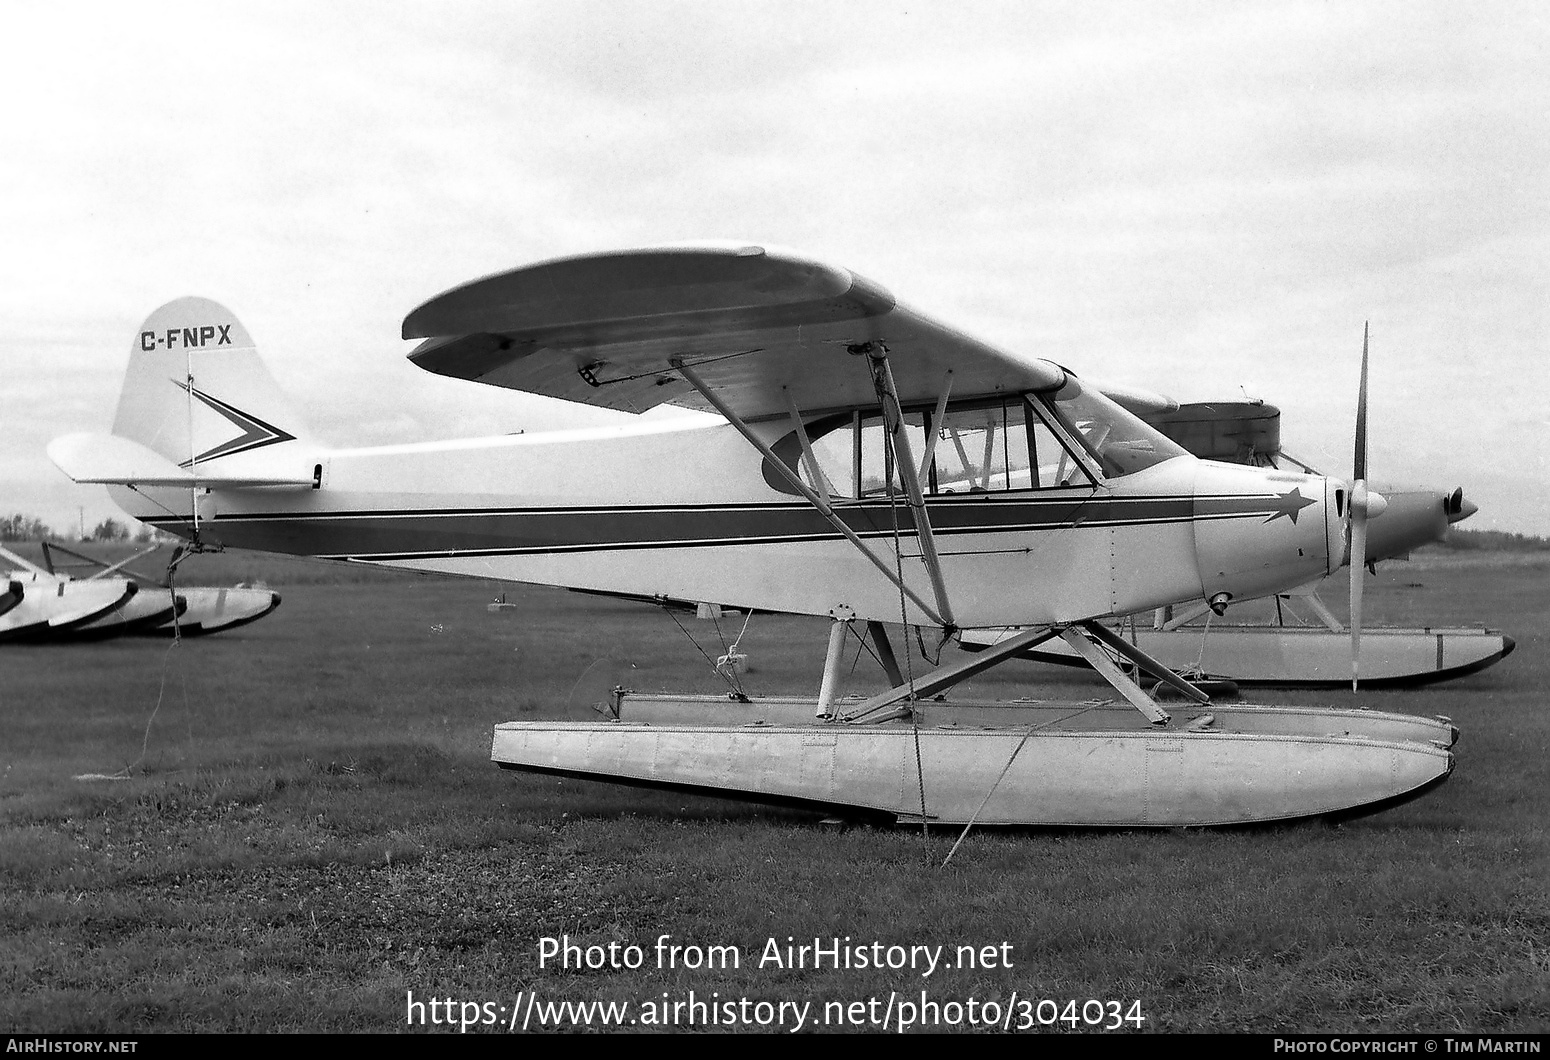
(882, 379)
(104, 570)
(11, 557)
(936, 425)
(814, 469)
(823, 506)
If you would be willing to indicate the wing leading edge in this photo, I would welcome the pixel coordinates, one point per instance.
(762, 327)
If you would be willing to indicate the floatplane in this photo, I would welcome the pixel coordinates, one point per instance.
(869, 465)
(1295, 639)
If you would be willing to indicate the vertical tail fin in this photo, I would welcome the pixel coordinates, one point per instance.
(198, 408)
(196, 390)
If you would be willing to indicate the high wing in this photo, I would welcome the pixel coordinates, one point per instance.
(763, 328)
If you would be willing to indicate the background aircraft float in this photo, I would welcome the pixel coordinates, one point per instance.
(11, 596)
(200, 609)
(1193, 642)
(871, 466)
(51, 606)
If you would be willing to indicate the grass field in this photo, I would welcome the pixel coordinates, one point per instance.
(311, 830)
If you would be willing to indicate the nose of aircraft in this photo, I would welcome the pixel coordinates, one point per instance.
(1412, 518)
(1260, 531)
(1457, 507)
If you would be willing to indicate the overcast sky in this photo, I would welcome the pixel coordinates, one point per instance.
(1197, 198)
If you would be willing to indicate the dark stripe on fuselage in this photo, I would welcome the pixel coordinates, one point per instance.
(402, 534)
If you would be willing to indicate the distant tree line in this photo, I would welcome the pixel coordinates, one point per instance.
(1495, 541)
(22, 527)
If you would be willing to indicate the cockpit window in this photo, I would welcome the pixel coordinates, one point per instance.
(1120, 442)
(1056, 440)
(977, 447)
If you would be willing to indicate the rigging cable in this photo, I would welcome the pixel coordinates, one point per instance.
(730, 678)
(1004, 770)
(890, 461)
(178, 555)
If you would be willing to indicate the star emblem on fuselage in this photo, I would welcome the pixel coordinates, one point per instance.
(1289, 504)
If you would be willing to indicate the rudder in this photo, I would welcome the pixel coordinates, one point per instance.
(197, 391)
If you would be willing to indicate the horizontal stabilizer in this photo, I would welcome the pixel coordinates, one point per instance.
(115, 461)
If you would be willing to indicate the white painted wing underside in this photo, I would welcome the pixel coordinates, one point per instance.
(752, 321)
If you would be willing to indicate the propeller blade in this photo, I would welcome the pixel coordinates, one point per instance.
(1361, 418)
(1358, 568)
(1356, 519)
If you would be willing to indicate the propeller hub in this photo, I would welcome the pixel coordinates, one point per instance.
(1366, 502)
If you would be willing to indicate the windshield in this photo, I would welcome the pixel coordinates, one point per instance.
(1120, 442)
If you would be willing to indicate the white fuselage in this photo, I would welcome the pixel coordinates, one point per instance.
(686, 510)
